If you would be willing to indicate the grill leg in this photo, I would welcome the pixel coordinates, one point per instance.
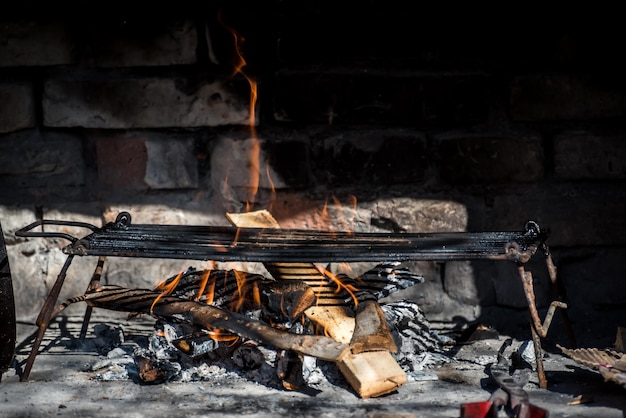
(538, 329)
(44, 318)
(93, 284)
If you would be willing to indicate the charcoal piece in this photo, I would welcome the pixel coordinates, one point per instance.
(210, 317)
(287, 299)
(289, 368)
(388, 278)
(196, 346)
(248, 357)
(383, 280)
(107, 337)
(153, 370)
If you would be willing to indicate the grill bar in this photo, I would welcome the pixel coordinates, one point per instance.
(124, 239)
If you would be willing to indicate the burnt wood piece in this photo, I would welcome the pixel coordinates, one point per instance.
(174, 309)
(220, 243)
(237, 290)
(371, 373)
(7, 311)
(383, 280)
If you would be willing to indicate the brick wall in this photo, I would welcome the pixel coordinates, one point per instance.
(429, 122)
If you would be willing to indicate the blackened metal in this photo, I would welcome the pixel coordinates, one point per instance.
(52, 234)
(510, 394)
(7, 310)
(93, 284)
(124, 239)
(45, 316)
(555, 290)
(538, 329)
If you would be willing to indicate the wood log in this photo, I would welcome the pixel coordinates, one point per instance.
(369, 366)
(174, 309)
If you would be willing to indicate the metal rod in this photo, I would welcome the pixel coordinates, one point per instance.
(271, 245)
(44, 317)
(93, 284)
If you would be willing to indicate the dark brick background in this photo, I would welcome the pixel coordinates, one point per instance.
(518, 114)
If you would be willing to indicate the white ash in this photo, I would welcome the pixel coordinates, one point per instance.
(419, 348)
(118, 364)
(525, 355)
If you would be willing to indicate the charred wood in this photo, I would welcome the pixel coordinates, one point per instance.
(175, 309)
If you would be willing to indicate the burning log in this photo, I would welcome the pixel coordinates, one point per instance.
(239, 290)
(369, 367)
(175, 309)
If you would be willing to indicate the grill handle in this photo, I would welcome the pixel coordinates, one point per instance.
(27, 231)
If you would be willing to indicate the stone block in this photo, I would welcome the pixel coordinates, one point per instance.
(467, 159)
(18, 106)
(595, 289)
(146, 42)
(585, 155)
(340, 96)
(35, 43)
(36, 262)
(49, 160)
(291, 157)
(121, 162)
(463, 282)
(146, 160)
(381, 157)
(241, 170)
(557, 97)
(507, 284)
(419, 215)
(145, 103)
(170, 162)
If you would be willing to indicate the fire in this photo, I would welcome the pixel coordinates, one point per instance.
(241, 283)
(166, 288)
(349, 288)
(221, 335)
(255, 150)
(204, 281)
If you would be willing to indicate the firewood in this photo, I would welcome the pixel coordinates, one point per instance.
(370, 368)
(282, 303)
(174, 309)
(334, 321)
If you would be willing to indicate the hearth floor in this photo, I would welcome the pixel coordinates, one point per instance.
(61, 384)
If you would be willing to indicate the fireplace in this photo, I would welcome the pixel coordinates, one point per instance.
(365, 120)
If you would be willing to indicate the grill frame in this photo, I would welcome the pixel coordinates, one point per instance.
(122, 238)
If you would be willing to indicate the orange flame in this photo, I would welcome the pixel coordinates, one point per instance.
(340, 285)
(166, 289)
(246, 292)
(219, 335)
(255, 151)
(238, 300)
(210, 291)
